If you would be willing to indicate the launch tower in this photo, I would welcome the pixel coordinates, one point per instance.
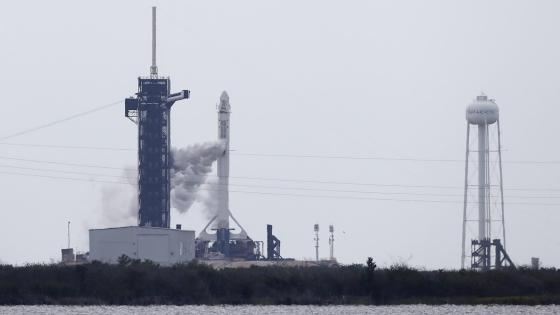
(150, 110)
(483, 210)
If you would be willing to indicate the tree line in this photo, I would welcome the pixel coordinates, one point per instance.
(132, 282)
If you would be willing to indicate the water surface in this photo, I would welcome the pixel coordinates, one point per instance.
(268, 310)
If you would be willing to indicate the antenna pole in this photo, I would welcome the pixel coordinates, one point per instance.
(68, 234)
(153, 68)
(331, 242)
(316, 229)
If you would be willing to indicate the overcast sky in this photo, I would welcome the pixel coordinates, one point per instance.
(346, 78)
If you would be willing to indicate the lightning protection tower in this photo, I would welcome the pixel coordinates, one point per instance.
(331, 241)
(150, 110)
(483, 209)
(316, 230)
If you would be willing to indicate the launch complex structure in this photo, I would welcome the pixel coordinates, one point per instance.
(150, 110)
(223, 238)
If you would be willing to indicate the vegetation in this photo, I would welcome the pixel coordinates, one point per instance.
(141, 283)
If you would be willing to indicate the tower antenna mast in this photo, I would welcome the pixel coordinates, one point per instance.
(68, 234)
(153, 68)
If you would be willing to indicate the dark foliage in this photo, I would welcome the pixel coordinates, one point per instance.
(135, 282)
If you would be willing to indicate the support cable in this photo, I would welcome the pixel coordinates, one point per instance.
(58, 121)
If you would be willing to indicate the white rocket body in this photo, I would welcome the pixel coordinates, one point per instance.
(224, 110)
(223, 214)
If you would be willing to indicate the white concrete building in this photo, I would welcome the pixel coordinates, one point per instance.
(163, 246)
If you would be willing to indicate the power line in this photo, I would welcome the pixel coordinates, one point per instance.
(58, 121)
(405, 159)
(72, 147)
(281, 194)
(270, 187)
(342, 157)
(277, 179)
(63, 172)
(386, 199)
(367, 192)
(233, 184)
(236, 185)
(234, 191)
(241, 177)
(337, 157)
(61, 163)
(307, 156)
(383, 185)
(344, 183)
(64, 178)
(237, 191)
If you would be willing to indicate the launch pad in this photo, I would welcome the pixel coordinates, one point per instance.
(153, 239)
(224, 243)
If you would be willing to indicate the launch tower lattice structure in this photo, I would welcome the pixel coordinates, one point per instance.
(483, 208)
(150, 110)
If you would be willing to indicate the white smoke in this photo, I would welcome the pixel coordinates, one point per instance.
(119, 203)
(210, 197)
(120, 206)
(189, 169)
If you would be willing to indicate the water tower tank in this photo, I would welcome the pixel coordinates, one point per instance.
(482, 111)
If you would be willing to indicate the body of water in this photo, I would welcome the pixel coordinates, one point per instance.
(270, 310)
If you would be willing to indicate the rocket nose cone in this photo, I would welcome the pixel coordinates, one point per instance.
(224, 98)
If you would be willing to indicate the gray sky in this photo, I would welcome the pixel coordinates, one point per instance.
(352, 78)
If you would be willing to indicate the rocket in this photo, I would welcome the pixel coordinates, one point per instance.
(224, 110)
(223, 214)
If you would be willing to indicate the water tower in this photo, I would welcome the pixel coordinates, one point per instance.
(483, 210)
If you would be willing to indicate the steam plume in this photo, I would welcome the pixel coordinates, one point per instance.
(209, 198)
(189, 169)
(119, 203)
